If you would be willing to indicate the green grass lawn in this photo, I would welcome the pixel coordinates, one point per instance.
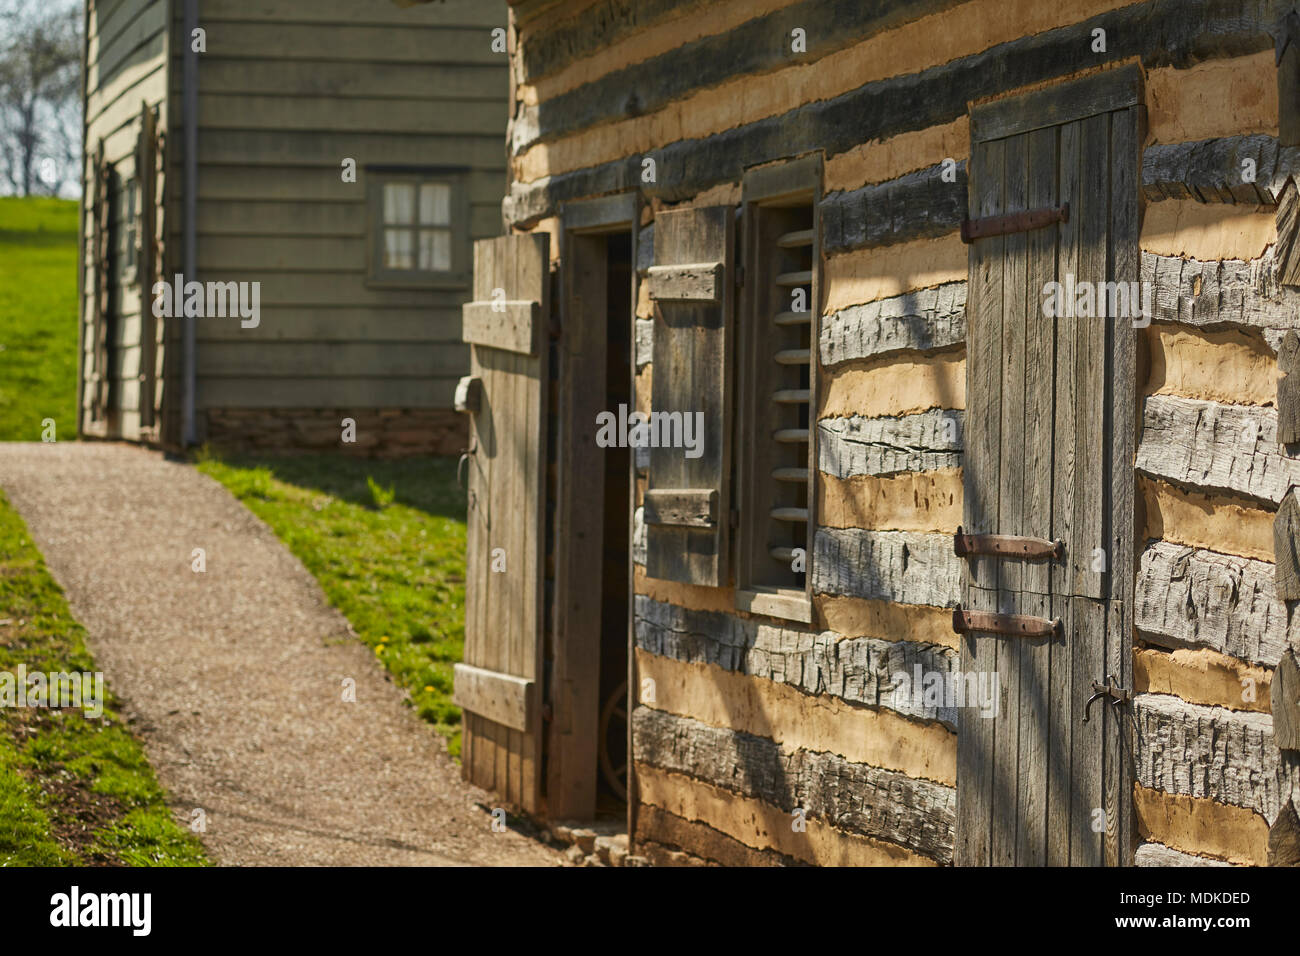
(38, 317)
(73, 789)
(386, 541)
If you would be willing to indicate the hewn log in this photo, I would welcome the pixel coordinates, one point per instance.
(559, 41)
(1287, 34)
(663, 827)
(1288, 389)
(1190, 31)
(1157, 854)
(1286, 548)
(710, 60)
(924, 319)
(854, 797)
(1214, 294)
(1214, 170)
(901, 566)
(1284, 838)
(1210, 752)
(638, 536)
(645, 342)
(1287, 249)
(887, 446)
(1284, 696)
(860, 669)
(1210, 445)
(918, 205)
(1187, 597)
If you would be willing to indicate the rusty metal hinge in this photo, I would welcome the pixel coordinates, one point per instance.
(1015, 625)
(1007, 546)
(972, 229)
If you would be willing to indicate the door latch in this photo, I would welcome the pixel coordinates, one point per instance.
(1111, 691)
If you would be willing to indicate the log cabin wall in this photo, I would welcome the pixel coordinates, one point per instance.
(754, 717)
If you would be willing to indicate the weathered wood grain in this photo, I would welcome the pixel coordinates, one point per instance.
(690, 282)
(682, 507)
(1214, 446)
(887, 446)
(693, 368)
(1157, 854)
(1287, 32)
(1209, 752)
(1288, 390)
(901, 566)
(920, 320)
(1213, 170)
(860, 669)
(1186, 597)
(1287, 249)
(884, 804)
(1284, 697)
(917, 205)
(1284, 837)
(1215, 294)
(1286, 547)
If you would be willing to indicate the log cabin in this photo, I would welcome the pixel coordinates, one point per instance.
(959, 578)
(342, 156)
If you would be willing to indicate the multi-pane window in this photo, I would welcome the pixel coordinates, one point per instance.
(417, 225)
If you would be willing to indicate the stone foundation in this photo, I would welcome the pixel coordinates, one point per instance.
(380, 433)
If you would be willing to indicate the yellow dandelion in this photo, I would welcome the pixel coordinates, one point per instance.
(428, 688)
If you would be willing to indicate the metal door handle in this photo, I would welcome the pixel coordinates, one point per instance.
(1111, 691)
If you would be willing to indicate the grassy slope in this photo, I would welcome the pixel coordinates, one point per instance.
(38, 317)
(396, 570)
(72, 789)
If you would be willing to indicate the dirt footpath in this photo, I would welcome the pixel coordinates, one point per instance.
(234, 677)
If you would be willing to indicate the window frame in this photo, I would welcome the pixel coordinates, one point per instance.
(460, 275)
(797, 179)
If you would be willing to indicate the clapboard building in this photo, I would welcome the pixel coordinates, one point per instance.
(986, 312)
(342, 156)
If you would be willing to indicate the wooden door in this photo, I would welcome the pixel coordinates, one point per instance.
(498, 683)
(1050, 416)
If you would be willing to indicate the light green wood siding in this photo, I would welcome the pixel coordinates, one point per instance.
(287, 90)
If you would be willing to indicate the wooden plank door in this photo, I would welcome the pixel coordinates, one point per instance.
(1049, 437)
(498, 683)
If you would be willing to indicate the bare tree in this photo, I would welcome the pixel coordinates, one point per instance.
(40, 95)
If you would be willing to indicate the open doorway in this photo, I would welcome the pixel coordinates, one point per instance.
(587, 737)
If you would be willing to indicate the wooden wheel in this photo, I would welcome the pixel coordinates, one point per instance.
(613, 741)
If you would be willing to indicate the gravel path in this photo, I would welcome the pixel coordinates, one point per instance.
(233, 677)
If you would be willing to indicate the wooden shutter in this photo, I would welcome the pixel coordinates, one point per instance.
(498, 683)
(146, 180)
(101, 260)
(687, 501)
(1049, 454)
